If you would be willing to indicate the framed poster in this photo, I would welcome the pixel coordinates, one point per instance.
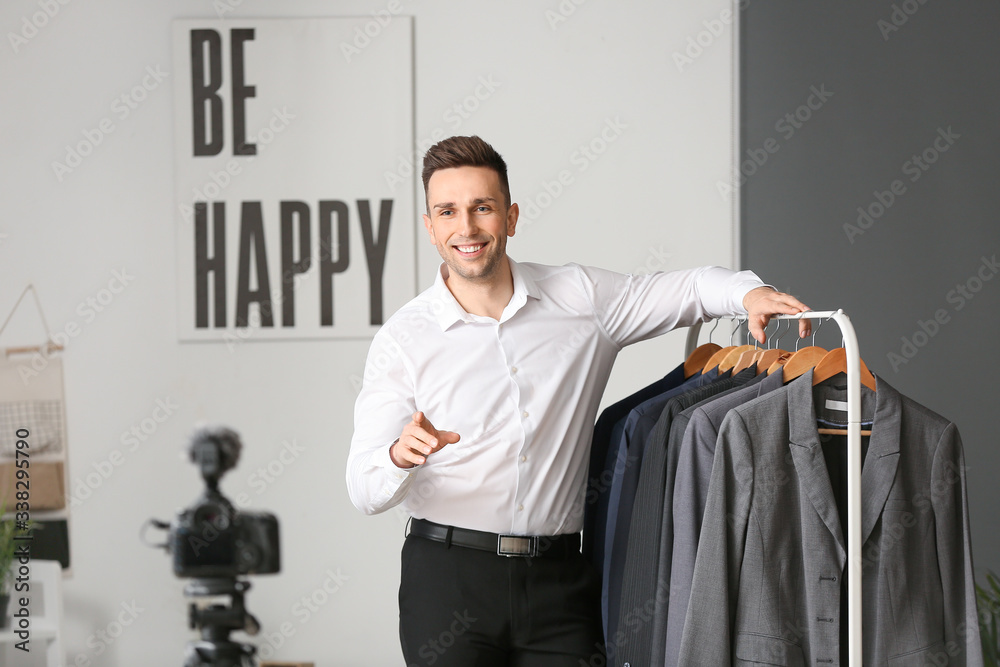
(291, 220)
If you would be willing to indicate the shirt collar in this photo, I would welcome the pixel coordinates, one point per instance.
(448, 311)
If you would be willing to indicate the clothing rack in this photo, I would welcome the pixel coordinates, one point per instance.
(853, 465)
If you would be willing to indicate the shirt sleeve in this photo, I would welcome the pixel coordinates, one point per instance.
(384, 406)
(632, 308)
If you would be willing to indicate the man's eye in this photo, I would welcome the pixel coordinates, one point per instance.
(482, 208)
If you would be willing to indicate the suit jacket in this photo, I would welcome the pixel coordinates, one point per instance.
(663, 564)
(602, 462)
(628, 444)
(767, 580)
(630, 630)
(694, 473)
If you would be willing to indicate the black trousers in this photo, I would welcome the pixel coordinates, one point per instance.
(462, 607)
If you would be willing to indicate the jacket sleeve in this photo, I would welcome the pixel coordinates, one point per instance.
(707, 640)
(951, 520)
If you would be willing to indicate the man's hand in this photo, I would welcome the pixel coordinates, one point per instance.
(418, 441)
(763, 302)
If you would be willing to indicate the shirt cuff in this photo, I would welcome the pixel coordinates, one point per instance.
(382, 460)
(742, 289)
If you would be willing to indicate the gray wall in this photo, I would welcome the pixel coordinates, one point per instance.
(896, 77)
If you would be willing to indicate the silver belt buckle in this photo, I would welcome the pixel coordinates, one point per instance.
(517, 545)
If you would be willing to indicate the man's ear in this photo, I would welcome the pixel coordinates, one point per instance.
(512, 214)
(429, 226)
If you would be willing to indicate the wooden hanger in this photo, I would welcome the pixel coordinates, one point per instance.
(839, 431)
(729, 361)
(747, 359)
(717, 358)
(697, 359)
(769, 357)
(835, 361)
(799, 363)
(764, 358)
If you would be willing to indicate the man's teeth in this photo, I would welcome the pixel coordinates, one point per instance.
(469, 248)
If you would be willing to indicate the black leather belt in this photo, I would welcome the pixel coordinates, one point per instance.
(524, 546)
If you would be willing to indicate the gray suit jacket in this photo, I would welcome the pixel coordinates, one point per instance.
(767, 580)
(694, 473)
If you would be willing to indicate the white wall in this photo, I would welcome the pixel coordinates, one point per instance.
(648, 201)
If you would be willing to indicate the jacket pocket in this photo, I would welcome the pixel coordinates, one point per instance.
(763, 650)
(929, 655)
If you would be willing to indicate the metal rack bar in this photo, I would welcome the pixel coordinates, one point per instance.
(854, 572)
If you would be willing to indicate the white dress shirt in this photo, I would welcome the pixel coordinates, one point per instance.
(522, 392)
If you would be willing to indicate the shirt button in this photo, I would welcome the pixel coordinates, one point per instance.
(513, 369)
(524, 414)
(520, 508)
(523, 459)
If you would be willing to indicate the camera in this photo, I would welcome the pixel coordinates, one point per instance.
(215, 545)
(211, 538)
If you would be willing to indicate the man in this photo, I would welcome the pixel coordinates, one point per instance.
(478, 403)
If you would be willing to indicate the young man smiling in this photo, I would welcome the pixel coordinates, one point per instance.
(492, 573)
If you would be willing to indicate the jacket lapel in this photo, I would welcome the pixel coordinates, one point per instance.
(807, 456)
(882, 459)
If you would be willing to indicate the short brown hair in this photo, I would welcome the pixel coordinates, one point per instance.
(465, 152)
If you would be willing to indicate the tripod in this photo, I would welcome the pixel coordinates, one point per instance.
(216, 620)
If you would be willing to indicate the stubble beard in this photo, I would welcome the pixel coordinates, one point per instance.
(490, 267)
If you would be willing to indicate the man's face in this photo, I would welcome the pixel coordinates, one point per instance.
(469, 222)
